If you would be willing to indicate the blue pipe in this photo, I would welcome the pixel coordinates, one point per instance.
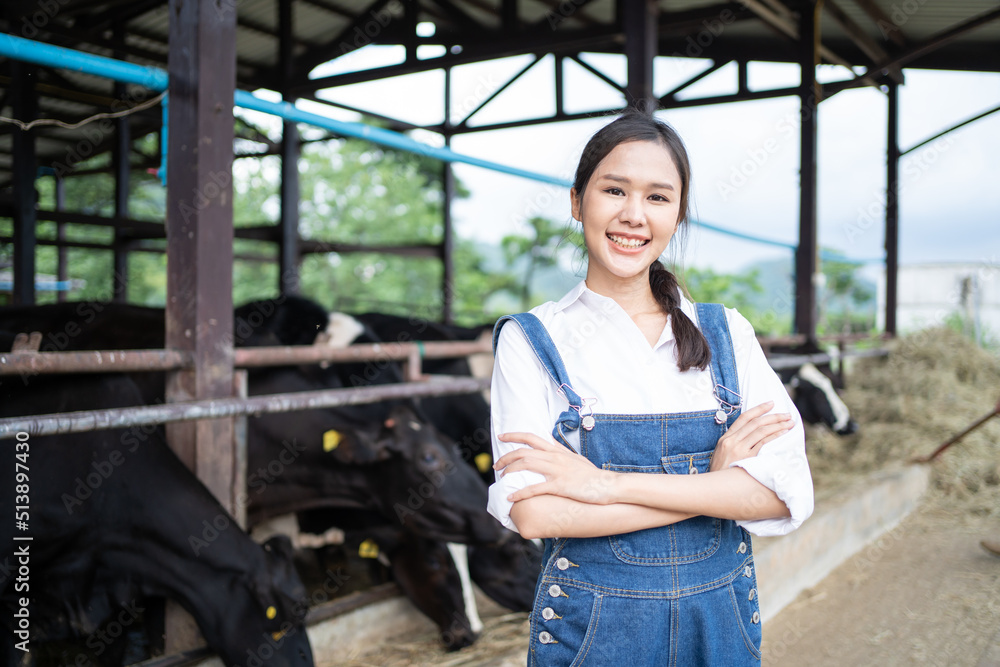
(377, 135)
(741, 235)
(40, 53)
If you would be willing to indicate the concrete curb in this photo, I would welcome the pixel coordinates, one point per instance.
(840, 527)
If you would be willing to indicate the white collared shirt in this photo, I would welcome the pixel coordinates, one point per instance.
(612, 366)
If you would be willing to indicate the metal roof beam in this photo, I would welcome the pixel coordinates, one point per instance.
(882, 19)
(786, 25)
(393, 124)
(868, 46)
(932, 43)
(100, 22)
(452, 11)
(326, 6)
(668, 98)
(538, 42)
(465, 121)
(556, 15)
(596, 72)
(342, 43)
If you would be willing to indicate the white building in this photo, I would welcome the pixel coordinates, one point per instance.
(929, 293)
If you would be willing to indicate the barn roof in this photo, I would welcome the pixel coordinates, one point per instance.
(936, 34)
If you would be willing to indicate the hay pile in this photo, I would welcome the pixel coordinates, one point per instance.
(933, 385)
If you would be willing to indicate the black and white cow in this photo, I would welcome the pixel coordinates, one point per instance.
(817, 400)
(115, 518)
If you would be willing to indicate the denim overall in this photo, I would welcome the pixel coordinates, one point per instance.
(678, 595)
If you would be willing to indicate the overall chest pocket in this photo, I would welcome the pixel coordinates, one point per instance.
(688, 541)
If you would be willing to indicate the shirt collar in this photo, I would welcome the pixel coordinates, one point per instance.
(593, 300)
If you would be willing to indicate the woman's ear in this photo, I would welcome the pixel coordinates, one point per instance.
(574, 203)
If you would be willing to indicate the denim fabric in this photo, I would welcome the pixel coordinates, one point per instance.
(678, 595)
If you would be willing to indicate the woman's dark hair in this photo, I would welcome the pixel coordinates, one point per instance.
(634, 125)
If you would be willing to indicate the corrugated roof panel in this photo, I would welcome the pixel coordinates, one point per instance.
(155, 22)
(314, 24)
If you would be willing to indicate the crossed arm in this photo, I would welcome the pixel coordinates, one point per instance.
(579, 499)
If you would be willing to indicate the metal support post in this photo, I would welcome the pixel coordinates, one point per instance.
(892, 208)
(291, 149)
(120, 166)
(25, 107)
(62, 274)
(199, 309)
(806, 256)
(199, 312)
(639, 23)
(447, 234)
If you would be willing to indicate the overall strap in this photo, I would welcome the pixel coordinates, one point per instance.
(715, 327)
(545, 350)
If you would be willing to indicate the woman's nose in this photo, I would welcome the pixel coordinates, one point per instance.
(633, 212)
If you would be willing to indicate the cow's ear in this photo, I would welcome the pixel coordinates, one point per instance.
(355, 447)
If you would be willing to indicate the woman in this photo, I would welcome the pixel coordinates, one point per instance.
(597, 396)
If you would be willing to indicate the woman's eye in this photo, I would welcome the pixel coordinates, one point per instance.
(659, 198)
(614, 191)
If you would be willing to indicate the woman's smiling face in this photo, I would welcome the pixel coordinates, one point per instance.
(629, 209)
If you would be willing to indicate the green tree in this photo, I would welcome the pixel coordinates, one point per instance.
(846, 302)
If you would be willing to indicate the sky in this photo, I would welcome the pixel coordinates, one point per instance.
(744, 155)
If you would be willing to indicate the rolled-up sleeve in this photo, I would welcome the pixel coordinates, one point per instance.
(519, 403)
(781, 465)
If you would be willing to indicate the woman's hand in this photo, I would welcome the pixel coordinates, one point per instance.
(751, 429)
(566, 473)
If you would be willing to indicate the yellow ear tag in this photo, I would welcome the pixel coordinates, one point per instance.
(271, 612)
(483, 462)
(276, 636)
(331, 439)
(368, 549)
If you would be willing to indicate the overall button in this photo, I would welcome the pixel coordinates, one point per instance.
(755, 618)
(555, 591)
(548, 614)
(747, 571)
(742, 548)
(545, 638)
(753, 594)
(563, 563)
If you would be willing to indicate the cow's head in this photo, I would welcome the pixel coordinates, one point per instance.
(428, 488)
(507, 571)
(426, 572)
(268, 628)
(817, 401)
(386, 459)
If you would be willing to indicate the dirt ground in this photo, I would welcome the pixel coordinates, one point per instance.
(925, 593)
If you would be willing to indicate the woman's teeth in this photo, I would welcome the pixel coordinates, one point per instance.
(627, 243)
